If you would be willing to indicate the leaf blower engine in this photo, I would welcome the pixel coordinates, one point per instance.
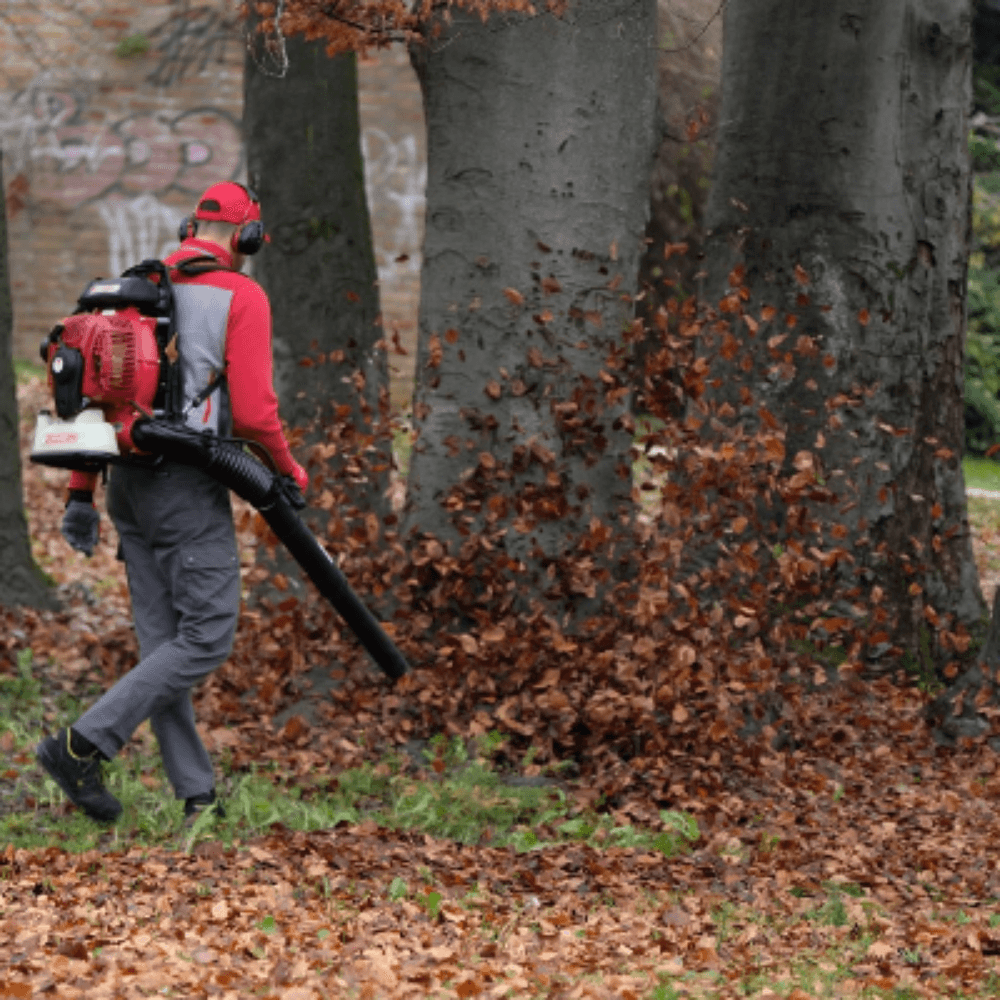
(116, 383)
(108, 365)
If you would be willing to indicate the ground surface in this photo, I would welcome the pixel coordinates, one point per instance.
(862, 862)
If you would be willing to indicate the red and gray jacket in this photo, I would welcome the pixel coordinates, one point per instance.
(224, 326)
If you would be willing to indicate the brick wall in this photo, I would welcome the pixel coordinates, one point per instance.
(114, 116)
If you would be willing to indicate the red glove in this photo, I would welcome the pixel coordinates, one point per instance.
(300, 476)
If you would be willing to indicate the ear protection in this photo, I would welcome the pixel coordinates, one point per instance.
(250, 237)
(187, 228)
(247, 240)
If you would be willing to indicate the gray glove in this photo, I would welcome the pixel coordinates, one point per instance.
(81, 524)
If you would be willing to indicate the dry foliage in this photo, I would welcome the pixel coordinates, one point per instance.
(722, 676)
(359, 25)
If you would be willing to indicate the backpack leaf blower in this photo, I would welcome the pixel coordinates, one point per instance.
(113, 372)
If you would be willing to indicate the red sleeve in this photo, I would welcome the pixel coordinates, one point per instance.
(252, 398)
(83, 481)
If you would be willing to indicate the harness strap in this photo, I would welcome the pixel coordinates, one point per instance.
(203, 264)
(191, 267)
(217, 382)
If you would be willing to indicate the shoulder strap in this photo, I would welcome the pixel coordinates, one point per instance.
(217, 381)
(203, 264)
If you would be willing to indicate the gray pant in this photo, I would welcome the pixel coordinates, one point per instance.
(179, 547)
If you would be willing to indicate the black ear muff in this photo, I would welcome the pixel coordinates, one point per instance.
(187, 228)
(249, 239)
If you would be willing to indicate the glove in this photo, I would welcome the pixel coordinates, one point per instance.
(292, 493)
(300, 476)
(81, 524)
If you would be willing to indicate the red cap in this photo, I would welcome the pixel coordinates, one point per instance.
(228, 202)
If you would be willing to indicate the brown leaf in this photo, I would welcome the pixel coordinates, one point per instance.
(434, 351)
(295, 728)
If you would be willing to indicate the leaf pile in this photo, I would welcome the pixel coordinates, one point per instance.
(904, 898)
(723, 677)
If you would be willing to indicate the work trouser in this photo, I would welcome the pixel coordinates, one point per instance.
(179, 548)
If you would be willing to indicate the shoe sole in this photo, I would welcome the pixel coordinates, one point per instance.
(43, 755)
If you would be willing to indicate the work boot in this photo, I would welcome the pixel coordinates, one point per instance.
(197, 804)
(78, 776)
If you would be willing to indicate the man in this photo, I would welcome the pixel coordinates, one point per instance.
(175, 523)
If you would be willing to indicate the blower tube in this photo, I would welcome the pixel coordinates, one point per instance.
(227, 462)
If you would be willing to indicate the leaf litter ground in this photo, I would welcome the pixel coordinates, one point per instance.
(860, 862)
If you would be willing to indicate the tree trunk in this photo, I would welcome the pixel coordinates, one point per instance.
(21, 582)
(304, 161)
(539, 153)
(842, 186)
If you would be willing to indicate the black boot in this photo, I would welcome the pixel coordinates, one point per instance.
(78, 776)
(197, 804)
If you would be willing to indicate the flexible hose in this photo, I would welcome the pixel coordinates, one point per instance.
(230, 465)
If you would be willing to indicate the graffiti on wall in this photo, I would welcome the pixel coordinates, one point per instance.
(395, 174)
(75, 152)
(138, 228)
(62, 149)
(191, 40)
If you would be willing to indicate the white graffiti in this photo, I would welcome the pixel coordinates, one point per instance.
(394, 173)
(73, 151)
(138, 228)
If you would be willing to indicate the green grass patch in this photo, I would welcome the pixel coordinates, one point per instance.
(25, 371)
(132, 45)
(981, 473)
(458, 795)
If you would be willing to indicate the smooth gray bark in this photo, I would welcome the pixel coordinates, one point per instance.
(539, 153)
(842, 151)
(21, 582)
(304, 161)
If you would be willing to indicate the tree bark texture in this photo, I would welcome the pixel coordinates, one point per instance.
(539, 153)
(304, 161)
(21, 582)
(842, 186)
